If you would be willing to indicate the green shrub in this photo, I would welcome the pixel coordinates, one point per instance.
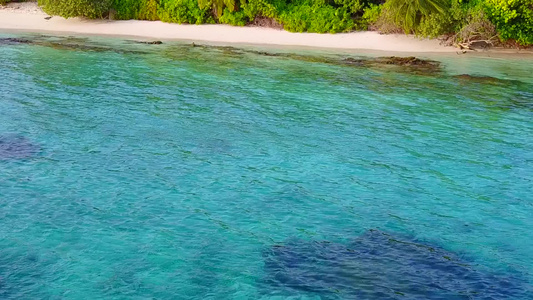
(237, 18)
(463, 20)
(4, 2)
(136, 9)
(246, 12)
(321, 19)
(260, 8)
(370, 16)
(93, 9)
(183, 11)
(513, 19)
(352, 6)
(385, 23)
(451, 20)
(321, 15)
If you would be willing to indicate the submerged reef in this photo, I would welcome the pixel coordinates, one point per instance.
(179, 51)
(467, 78)
(13, 41)
(409, 64)
(378, 265)
(148, 42)
(67, 43)
(402, 64)
(16, 147)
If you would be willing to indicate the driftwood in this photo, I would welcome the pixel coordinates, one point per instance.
(478, 33)
(474, 44)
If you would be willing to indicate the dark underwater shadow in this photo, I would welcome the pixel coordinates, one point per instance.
(22, 273)
(378, 265)
(13, 147)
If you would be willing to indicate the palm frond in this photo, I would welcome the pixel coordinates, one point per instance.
(408, 13)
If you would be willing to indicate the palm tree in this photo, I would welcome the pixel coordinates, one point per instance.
(408, 13)
(218, 5)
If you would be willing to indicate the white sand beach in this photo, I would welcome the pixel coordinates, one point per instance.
(28, 17)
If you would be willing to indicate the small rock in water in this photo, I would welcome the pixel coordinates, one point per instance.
(409, 64)
(403, 61)
(382, 266)
(16, 147)
(13, 41)
(150, 42)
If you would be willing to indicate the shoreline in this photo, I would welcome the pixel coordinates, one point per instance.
(27, 17)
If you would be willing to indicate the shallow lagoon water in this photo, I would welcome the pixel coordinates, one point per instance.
(168, 172)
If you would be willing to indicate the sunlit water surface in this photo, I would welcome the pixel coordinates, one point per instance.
(158, 171)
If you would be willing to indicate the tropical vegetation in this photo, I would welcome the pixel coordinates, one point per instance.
(459, 20)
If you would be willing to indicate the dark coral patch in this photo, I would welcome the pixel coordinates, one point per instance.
(13, 41)
(67, 43)
(467, 78)
(381, 266)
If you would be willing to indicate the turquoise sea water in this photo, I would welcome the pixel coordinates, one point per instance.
(170, 172)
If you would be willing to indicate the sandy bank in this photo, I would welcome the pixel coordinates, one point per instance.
(27, 17)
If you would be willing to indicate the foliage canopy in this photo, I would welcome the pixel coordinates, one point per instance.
(513, 19)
